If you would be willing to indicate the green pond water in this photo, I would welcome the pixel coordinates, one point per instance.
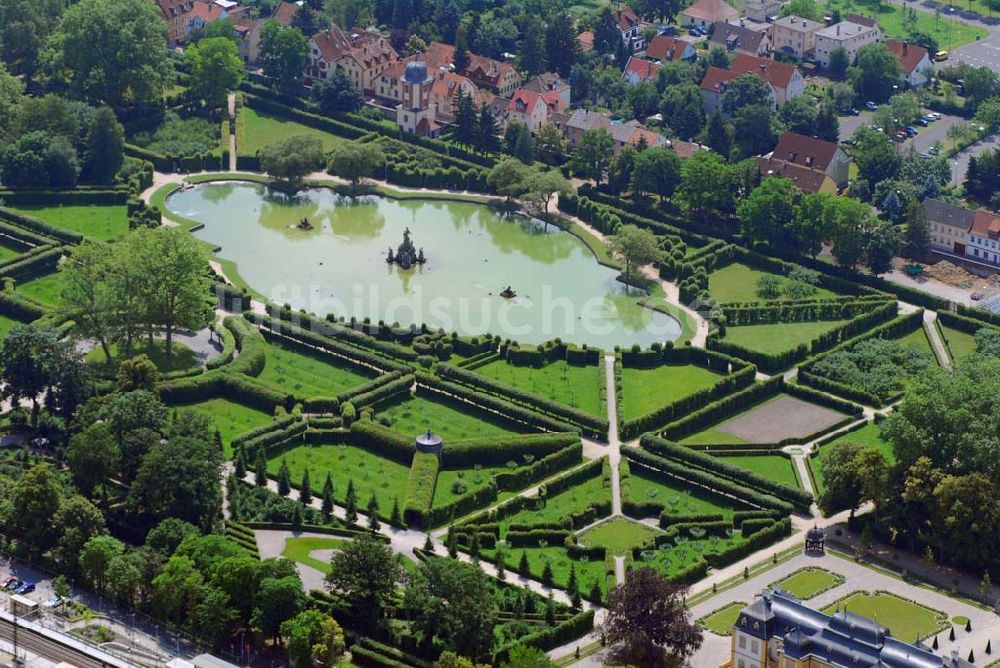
(472, 252)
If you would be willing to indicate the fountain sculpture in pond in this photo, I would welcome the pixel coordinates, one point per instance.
(406, 255)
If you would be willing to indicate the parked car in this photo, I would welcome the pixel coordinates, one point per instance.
(870, 106)
(694, 32)
(926, 156)
(26, 588)
(934, 116)
(13, 585)
(899, 136)
(941, 56)
(54, 602)
(922, 122)
(849, 142)
(853, 112)
(933, 150)
(911, 131)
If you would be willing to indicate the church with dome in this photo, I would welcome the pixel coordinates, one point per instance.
(416, 113)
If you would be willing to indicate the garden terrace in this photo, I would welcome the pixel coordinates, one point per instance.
(777, 467)
(306, 372)
(673, 382)
(650, 493)
(450, 419)
(807, 583)
(737, 282)
(905, 619)
(578, 386)
(959, 332)
(871, 368)
(721, 621)
(230, 418)
(105, 223)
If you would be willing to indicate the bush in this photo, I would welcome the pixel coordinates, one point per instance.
(420, 487)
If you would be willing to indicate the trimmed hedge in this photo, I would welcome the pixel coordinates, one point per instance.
(420, 486)
(708, 480)
(549, 637)
(29, 266)
(383, 391)
(492, 404)
(591, 424)
(383, 441)
(81, 196)
(720, 468)
(16, 307)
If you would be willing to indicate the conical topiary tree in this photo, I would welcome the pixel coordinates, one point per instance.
(452, 543)
(595, 592)
(989, 647)
(547, 574)
(351, 503)
(951, 634)
(523, 568)
(284, 479)
(972, 656)
(305, 489)
(968, 626)
(394, 517)
(429, 544)
(328, 496)
(240, 463)
(934, 645)
(260, 469)
(373, 522)
(501, 565)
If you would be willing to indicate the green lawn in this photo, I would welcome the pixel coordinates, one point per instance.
(417, 414)
(46, 290)
(618, 534)
(181, 356)
(948, 33)
(569, 384)
(5, 326)
(572, 500)
(645, 485)
(370, 473)
(670, 558)
(588, 571)
(773, 467)
(778, 338)
(8, 250)
(867, 435)
(304, 374)
(905, 620)
(960, 344)
(257, 129)
(918, 339)
(298, 549)
(711, 437)
(231, 418)
(721, 621)
(447, 490)
(107, 222)
(738, 283)
(645, 390)
(809, 582)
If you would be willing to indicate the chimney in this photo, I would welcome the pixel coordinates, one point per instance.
(905, 47)
(762, 67)
(838, 30)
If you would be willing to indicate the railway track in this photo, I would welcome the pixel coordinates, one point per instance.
(53, 649)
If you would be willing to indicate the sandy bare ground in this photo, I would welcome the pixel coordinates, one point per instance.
(780, 418)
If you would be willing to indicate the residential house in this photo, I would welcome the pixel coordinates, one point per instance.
(740, 39)
(204, 13)
(949, 225)
(984, 238)
(445, 90)
(914, 60)
(779, 630)
(664, 48)
(866, 21)
(812, 153)
(174, 14)
(763, 11)
(248, 30)
(638, 70)
(362, 56)
(550, 82)
(784, 79)
(586, 41)
(415, 113)
(633, 134)
(630, 26)
(684, 149)
(796, 36)
(581, 121)
(805, 179)
(846, 35)
(705, 13)
(531, 108)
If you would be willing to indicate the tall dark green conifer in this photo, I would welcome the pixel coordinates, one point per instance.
(305, 489)
(328, 496)
(351, 503)
(260, 469)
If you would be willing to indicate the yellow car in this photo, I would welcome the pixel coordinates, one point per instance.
(940, 56)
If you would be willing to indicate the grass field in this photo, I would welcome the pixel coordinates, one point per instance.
(711, 437)
(722, 620)
(370, 473)
(418, 414)
(181, 356)
(97, 222)
(618, 534)
(778, 338)
(572, 500)
(8, 252)
(960, 344)
(809, 582)
(773, 467)
(918, 339)
(46, 290)
(230, 418)
(571, 385)
(256, 129)
(905, 620)
(298, 549)
(645, 390)
(738, 283)
(948, 33)
(867, 435)
(306, 375)
(644, 485)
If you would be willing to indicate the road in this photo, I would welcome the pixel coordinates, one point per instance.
(960, 163)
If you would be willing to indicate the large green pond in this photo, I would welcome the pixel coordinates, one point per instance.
(472, 252)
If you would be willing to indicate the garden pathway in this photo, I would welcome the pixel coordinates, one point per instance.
(934, 336)
(614, 445)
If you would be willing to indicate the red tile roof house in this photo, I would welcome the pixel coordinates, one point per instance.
(531, 108)
(632, 133)
(815, 154)
(740, 39)
(705, 13)
(362, 55)
(248, 30)
(638, 70)
(666, 48)
(631, 27)
(984, 238)
(550, 82)
(915, 61)
(784, 79)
